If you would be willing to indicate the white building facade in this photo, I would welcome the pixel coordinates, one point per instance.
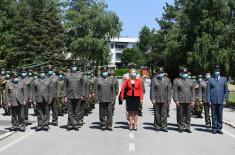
(117, 45)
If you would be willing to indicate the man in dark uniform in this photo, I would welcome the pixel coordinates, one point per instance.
(16, 99)
(175, 85)
(74, 93)
(160, 95)
(184, 96)
(41, 99)
(54, 94)
(112, 74)
(27, 81)
(105, 96)
(217, 96)
(203, 98)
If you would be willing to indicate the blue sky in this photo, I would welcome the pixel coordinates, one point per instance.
(134, 14)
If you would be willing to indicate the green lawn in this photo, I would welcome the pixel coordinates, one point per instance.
(232, 99)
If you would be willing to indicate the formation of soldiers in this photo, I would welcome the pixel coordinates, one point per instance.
(191, 95)
(47, 90)
(76, 93)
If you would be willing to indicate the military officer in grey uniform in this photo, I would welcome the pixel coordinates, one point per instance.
(27, 81)
(175, 85)
(184, 96)
(41, 99)
(74, 90)
(105, 96)
(16, 99)
(54, 94)
(160, 95)
(84, 102)
(203, 98)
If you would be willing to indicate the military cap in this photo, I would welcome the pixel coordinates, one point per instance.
(200, 76)
(161, 70)
(185, 70)
(131, 65)
(103, 68)
(50, 67)
(217, 67)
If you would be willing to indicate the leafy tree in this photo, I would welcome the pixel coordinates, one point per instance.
(89, 27)
(133, 55)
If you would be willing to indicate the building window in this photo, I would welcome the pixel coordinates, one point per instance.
(118, 56)
(120, 46)
(112, 46)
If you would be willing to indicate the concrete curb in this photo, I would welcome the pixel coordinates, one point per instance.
(6, 135)
(229, 123)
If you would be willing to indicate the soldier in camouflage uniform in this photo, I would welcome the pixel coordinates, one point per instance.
(6, 80)
(198, 108)
(2, 85)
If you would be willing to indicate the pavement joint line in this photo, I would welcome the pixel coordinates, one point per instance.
(228, 133)
(16, 141)
(131, 135)
(131, 147)
(6, 135)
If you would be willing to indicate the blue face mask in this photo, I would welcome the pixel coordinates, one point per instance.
(2, 72)
(105, 74)
(8, 76)
(217, 74)
(74, 69)
(50, 73)
(42, 75)
(200, 80)
(61, 76)
(184, 76)
(24, 74)
(189, 77)
(133, 75)
(15, 80)
(160, 76)
(180, 75)
(30, 74)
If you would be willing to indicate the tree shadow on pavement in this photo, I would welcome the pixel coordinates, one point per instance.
(198, 125)
(121, 123)
(95, 127)
(203, 130)
(147, 123)
(95, 123)
(150, 128)
(64, 127)
(172, 124)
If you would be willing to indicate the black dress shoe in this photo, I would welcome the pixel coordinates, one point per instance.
(46, 127)
(109, 128)
(164, 129)
(220, 132)
(76, 128)
(39, 128)
(214, 131)
(22, 129)
(13, 128)
(157, 128)
(181, 130)
(55, 123)
(103, 127)
(80, 123)
(188, 131)
(69, 128)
